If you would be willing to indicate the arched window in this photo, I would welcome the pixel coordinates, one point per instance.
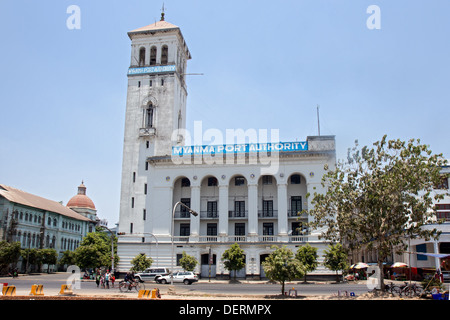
(164, 54)
(141, 57)
(153, 56)
(149, 116)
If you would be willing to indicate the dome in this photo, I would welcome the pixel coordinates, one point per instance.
(81, 200)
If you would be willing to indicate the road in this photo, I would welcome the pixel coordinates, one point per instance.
(52, 285)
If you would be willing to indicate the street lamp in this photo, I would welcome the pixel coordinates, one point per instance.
(194, 213)
(112, 247)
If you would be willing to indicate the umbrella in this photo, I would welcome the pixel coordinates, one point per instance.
(360, 265)
(399, 265)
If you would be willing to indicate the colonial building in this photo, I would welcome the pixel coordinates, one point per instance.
(251, 192)
(37, 222)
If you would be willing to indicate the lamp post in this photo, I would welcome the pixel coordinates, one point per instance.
(112, 247)
(194, 213)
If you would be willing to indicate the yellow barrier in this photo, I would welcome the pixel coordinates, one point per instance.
(66, 289)
(149, 294)
(144, 294)
(37, 290)
(9, 291)
(155, 294)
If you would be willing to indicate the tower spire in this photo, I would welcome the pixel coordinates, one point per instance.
(162, 12)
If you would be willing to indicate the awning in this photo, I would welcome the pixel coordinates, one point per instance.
(435, 255)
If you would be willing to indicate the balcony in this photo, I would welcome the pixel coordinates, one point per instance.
(238, 214)
(246, 239)
(147, 132)
(209, 215)
(267, 214)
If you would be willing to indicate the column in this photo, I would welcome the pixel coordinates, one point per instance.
(223, 211)
(253, 210)
(282, 210)
(195, 205)
(436, 259)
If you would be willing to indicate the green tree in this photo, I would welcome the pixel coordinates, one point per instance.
(307, 256)
(188, 262)
(234, 259)
(49, 257)
(95, 251)
(281, 266)
(31, 257)
(141, 262)
(380, 197)
(336, 259)
(68, 258)
(9, 254)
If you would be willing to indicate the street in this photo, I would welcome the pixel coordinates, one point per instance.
(221, 288)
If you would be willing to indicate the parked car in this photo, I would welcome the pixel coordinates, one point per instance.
(151, 274)
(187, 277)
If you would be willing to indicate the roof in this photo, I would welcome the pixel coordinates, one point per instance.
(81, 200)
(157, 26)
(31, 200)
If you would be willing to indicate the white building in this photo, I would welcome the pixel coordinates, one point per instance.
(249, 192)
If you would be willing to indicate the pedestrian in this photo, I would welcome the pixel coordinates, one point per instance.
(107, 276)
(97, 279)
(113, 279)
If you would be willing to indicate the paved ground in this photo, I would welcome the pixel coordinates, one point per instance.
(216, 289)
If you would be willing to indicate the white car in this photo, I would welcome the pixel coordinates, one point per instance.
(151, 274)
(187, 277)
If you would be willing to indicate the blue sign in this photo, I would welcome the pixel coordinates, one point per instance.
(154, 69)
(238, 148)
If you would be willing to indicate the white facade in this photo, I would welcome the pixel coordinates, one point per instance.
(252, 198)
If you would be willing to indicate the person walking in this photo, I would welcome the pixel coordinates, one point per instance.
(97, 279)
(107, 276)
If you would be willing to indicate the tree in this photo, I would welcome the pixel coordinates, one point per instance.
(95, 251)
(68, 258)
(188, 262)
(307, 256)
(141, 262)
(49, 257)
(336, 259)
(31, 257)
(380, 197)
(9, 254)
(234, 259)
(281, 266)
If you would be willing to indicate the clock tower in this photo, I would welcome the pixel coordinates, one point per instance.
(156, 107)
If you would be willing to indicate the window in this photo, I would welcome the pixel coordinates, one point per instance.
(211, 229)
(149, 116)
(267, 179)
(134, 176)
(162, 82)
(141, 57)
(185, 182)
(211, 207)
(239, 229)
(295, 179)
(185, 229)
(421, 248)
(239, 181)
(164, 55)
(152, 57)
(212, 182)
(268, 229)
(296, 228)
(144, 214)
(132, 202)
(267, 208)
(296, 205)
(131, 227)
(145, 188)
(239, 208)
(184, 212)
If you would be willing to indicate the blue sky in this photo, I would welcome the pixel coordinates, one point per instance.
(266, 65)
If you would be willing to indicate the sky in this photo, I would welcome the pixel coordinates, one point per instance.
(265, 65)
